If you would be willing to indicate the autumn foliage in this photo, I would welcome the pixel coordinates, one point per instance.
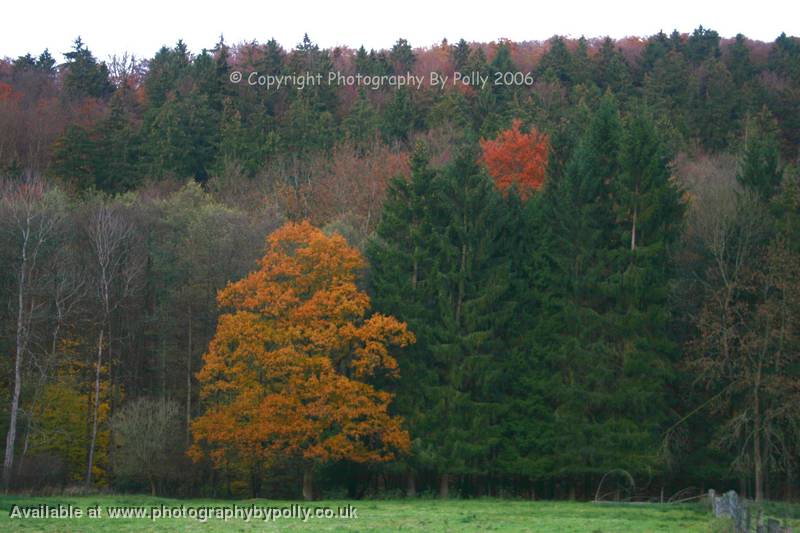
(517, 158)
(287, 373)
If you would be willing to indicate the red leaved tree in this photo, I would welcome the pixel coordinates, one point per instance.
(517, 158)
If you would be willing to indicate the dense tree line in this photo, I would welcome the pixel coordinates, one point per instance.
(597, 270)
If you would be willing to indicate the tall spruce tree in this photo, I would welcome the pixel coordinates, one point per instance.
(579, 235)
(601, 353)
(761, 171)
(85, 75)
(402, 276)
(524, 457)
(472, 282)
(438, 264)
(649, 214)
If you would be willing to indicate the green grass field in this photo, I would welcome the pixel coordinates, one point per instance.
(372, 515)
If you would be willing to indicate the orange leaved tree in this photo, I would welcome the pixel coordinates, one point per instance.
(517, 158)
(287, 374)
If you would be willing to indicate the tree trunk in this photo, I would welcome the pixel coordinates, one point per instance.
(95, 408)
(758, 472)
(757, 460)
(163, 362)
(308, 483)
(255, 481)
(633, 226)
(189, 381)
(462, 270)
(152, 485)
(11, 436)
(411, 484)
(444, 486)
(112, 387)
(380, 483)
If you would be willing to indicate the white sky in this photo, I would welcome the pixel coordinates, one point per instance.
(142, 27)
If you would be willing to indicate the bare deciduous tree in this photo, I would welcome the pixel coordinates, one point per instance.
(110, 235)
(32, 214)
(67, 289)
(746, 325)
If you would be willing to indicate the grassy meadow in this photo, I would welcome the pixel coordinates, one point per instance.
(370, 515)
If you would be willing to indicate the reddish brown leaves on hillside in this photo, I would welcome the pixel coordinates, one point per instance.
(517, 158)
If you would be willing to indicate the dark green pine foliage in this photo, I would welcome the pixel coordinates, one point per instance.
(75, 155)
(761, 171)
(786, 207)
(361, 125)
(362, 61)
(588, 433)
(601, 351)
(611, 70)
(372, 63)
(714, 114)
(438, 264)
(471, 283)
(308, 59)
(402, 57)
(676, 41)
(714, 103)
(656, 48)
(309, 123)
(165, 70)
(526, 383)
(784, 99)
(264, 117)
(181, 137)
(120, 143)
(582, 63)
(739, 63)
(703, 44)
(106, 155)
(182, 123)
(496, 101)
(648, 203)
(306, 127)
(556, 63)
(565, 121)
(85, 75)
(43, 64)
(247, 135)
(22, 63)
(743, 73)
(220, 85)
(666, 90)
(453, 109)
(476, 107)
(460, 55)
(784, 57)
(649, 214)
(236, 143)
(399, 116)
(402, 279)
